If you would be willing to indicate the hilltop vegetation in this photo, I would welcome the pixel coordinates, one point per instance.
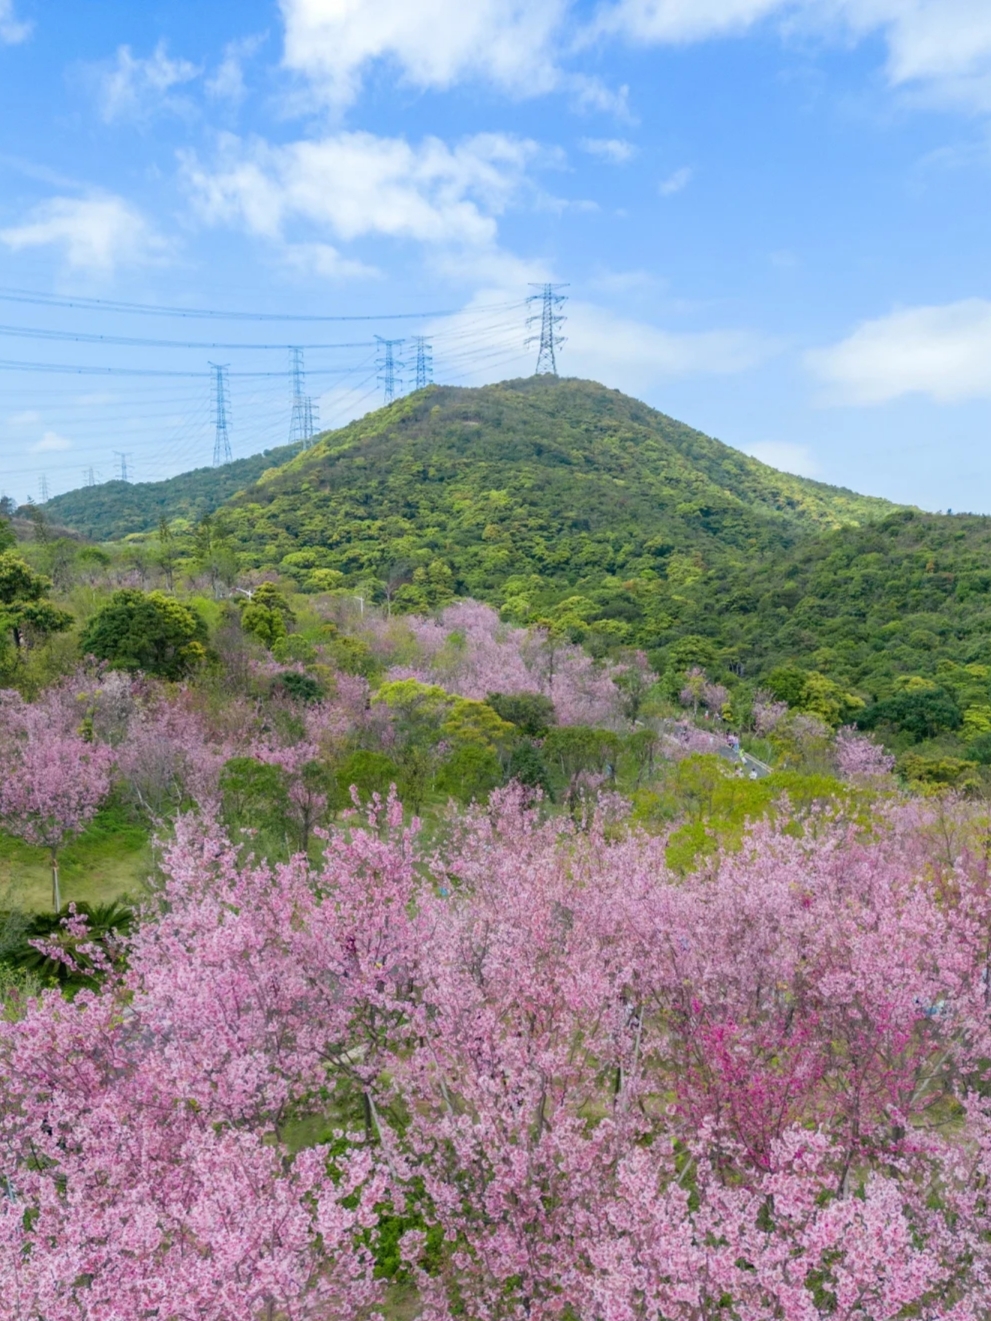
(581, 512)
(564, 481)
(119, 509)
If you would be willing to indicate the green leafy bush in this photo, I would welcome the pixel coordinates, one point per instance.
(147, 631)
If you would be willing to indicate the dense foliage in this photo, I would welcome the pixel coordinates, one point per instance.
(25, 608)
(563, 502)
(615, 949)
(475, 492)
(146, 631)
(530, 1072)
(118, 509)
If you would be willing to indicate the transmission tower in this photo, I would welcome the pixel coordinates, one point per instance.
(303, 424)
(548, 318)
(89, 476)
(388, 365)
(221, 415)
(43, 488)
(122, 471)
(424, 361)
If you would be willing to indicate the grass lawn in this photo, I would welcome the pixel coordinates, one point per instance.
(111, 859)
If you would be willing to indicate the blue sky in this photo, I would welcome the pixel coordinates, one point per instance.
(772, 216)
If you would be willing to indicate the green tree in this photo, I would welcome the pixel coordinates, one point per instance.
(146, 631)
(267, 615)
(527, 767)
(787, 683)
(24, 607)
(578, 748)
(476, 724)
(367, 771)
(298, 687)
(215, 551)
(469, 774)
(531, 713)
(166, 552)
(418, 713)
(921, 713)
(253, 797)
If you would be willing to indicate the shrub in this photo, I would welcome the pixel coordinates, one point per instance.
(531, 713)
(146, 631)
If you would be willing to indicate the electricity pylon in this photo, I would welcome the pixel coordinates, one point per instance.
(548, 318)
(424, 361)
(388, 365)
(303, 423)
(221, 415)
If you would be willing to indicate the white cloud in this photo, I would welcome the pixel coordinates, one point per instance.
(942, 46)
(592, 94)
(682, 21)
(227, 84)
(621, 352)
(355, 184)
(635, 356)
(435, 43)
(674, 183)
(135, 88)
(27, 418)
(942, 352)
(325, 260)
(786, 457)
(617, 151)
(12, 31)
(51, 441)
(96, 233)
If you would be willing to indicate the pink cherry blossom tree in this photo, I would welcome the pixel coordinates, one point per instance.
(52, 784)
(860, 759)
(582, 1085)
(469, 651)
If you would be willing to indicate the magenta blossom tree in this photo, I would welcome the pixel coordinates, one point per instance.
(469, 651)
(52, 783)
(859, 759)
(575, 1084)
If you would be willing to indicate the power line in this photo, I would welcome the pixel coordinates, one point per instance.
(156, 309)
(221, 414)
(132, 341)
(549, 319)
(388, 366)
(68, 369)
(424, 361)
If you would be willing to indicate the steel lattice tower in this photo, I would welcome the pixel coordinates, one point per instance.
(221, 415)
(43, 487)
(118, 454)
(424, 361)
(388, 365)
(548, 318)
(303, 423)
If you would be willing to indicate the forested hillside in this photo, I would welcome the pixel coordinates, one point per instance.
(562, 502)
(864, 604)
(118, 509)
(562, 479)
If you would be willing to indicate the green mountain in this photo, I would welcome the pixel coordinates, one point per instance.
(559, 479)
(118, 509)
(560, 499)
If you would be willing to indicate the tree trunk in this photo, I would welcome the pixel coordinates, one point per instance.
(56, 892)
